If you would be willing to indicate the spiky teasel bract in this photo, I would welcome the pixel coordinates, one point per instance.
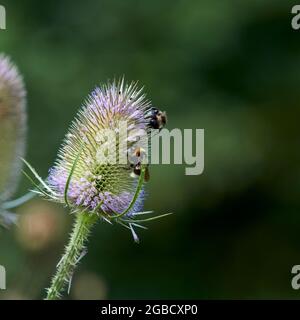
(88, 180)
(12, 132)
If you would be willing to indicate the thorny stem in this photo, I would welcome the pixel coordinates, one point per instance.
(73, 251)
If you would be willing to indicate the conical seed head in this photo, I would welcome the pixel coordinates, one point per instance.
(95, 135)
(12, 126)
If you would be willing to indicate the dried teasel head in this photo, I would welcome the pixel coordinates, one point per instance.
(12, 128)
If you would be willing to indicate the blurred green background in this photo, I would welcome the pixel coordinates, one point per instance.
(231, 67)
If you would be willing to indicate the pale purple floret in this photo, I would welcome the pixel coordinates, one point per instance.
(83, 193)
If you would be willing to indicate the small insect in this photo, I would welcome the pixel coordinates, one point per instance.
(158, 118)
(138, 152)
(137, 169)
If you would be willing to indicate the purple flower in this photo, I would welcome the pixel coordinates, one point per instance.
(89, 171)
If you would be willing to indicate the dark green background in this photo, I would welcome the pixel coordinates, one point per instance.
(231, 67)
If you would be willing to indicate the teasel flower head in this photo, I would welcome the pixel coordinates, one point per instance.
(12, 131)
(92, 172)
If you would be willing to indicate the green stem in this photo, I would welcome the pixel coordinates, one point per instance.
(75, 248)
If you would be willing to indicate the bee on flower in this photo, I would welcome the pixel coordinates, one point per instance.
(103, 162)
(101, 169)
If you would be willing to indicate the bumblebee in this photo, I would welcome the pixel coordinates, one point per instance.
(137, 169)
(140, 153)
(157, 119)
